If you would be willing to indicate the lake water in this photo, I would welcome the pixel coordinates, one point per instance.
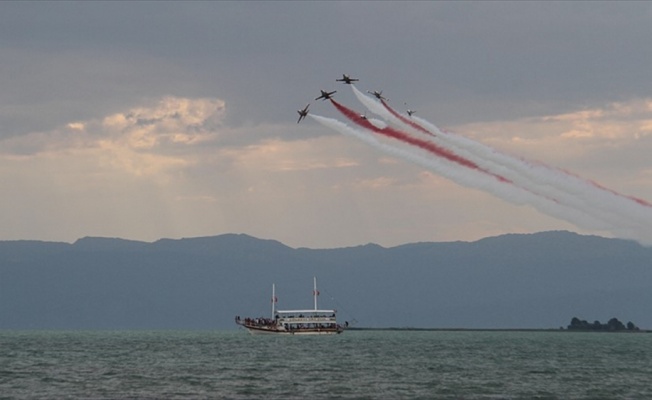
(354, 365)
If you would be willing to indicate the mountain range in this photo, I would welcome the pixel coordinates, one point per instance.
(536, 281)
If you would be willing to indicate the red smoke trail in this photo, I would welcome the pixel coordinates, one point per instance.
(404, 137)
(417, 126)
(406, 121)
(599, 186)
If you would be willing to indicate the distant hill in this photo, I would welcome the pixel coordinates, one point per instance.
(513, 281)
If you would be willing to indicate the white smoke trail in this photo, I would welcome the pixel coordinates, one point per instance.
(622, 216)
(617, 209)
(466, 176)
(483, 155)
(626, 217)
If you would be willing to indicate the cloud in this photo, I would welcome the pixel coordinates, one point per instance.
(173, 121)
(620, 120)
(571, 134)
(295, 156)
(609, 144)
(143, 140)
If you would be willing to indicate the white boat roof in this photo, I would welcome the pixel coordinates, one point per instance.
(305, 311)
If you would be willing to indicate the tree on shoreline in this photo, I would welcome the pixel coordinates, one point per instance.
(612, 325)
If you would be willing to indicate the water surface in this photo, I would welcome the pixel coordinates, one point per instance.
(354, 365)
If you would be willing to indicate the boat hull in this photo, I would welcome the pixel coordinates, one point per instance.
(291, 333)
(265, 330)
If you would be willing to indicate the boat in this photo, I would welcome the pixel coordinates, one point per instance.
(294, 322)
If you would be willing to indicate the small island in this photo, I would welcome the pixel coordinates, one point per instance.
(613, 325)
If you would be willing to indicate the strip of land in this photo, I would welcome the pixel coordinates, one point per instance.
(408, 329)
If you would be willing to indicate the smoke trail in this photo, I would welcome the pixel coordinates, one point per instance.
(396, 134)
(472, 178)
(622, 214)
(441, 151)
(546, 173)
(621, 211)
(468, 177)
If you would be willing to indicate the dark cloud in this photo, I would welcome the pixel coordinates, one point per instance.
(457, 62)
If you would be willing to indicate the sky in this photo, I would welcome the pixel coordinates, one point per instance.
(149, 120)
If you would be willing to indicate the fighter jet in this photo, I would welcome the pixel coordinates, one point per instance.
(347, 79)
(303, 113)
(326, 95)
(409, 112)
(378, 94)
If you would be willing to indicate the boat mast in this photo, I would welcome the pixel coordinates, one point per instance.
(315, 293)
(273, 299)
